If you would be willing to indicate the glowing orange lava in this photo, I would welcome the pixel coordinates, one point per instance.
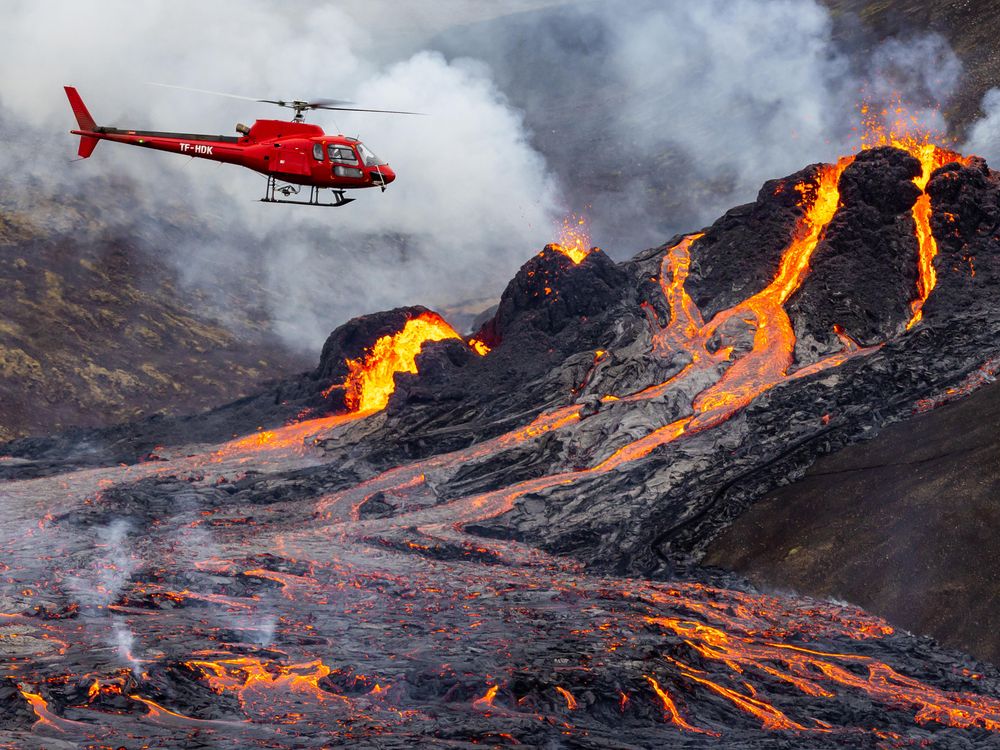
(894, 126)
(670, 712)
(486, 701)
(371, 378)
(571, 703)
(45, 716)
(574, 239)
(254, 681)
(479, 347)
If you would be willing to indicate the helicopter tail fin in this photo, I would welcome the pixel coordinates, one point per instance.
(86, 122)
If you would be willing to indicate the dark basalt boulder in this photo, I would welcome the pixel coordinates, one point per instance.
(15, 711)
(440, 376)
(864, 270)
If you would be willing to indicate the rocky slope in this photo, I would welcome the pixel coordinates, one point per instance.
(902, 525)
(968, 25)
(96, 329)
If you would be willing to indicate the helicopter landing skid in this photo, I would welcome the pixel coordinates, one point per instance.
(289, 190)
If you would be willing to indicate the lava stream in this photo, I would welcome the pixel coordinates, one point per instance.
(371, 378)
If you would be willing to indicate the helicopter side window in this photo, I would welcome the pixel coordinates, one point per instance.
(340, 154)
(318, 151)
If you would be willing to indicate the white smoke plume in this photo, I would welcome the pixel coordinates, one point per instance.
(125, 645)
(655, 116)
(984, 136)
(669, 113)
(113, 566)
(471, 199)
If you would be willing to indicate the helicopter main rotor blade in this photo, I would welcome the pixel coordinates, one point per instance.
(384, 111)
(329, 104)
(295, 103)
(204, 91)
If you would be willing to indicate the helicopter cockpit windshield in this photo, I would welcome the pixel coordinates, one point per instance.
(368, 157)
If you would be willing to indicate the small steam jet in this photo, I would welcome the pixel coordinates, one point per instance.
(291, 154)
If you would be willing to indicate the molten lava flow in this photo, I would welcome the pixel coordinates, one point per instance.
(244, 673)
(931, 157)
(486, 701)
(773, 339)
(281, 438)
(479, 347)
(574, 239)
(371, 378)
(771, 717)
(772, 353)
(894, 127)
(45, 717)
(369, 384)
(670, 712)
(571, 703)
(685, 317)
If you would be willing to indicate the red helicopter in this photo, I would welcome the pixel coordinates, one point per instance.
(290, 154)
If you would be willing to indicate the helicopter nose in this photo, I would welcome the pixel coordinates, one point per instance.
(386, 174)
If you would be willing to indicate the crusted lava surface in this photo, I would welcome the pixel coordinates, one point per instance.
(507, 551)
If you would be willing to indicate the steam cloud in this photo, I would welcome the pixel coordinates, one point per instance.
(113, 568)
(668, 114)
(652, 117)
(471, 198)
(984, 137)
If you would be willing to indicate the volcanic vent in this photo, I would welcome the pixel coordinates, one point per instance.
(438, 541)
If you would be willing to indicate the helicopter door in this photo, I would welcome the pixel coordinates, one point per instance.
(288, 160)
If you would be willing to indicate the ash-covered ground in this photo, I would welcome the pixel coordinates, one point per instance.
(504, 550)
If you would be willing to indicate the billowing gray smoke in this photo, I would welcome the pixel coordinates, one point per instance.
(650, 117)
(471, 194)
(662, 115)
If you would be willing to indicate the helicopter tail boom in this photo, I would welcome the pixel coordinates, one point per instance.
(86, 122)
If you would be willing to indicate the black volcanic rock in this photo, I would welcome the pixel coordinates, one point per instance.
(15, 712)
(550, 291)
(864, 271)
(740, 253)
(966, 224)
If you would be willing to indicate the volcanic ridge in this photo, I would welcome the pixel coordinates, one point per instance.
(439, 541)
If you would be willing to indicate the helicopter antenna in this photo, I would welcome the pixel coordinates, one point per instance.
(299, 106)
